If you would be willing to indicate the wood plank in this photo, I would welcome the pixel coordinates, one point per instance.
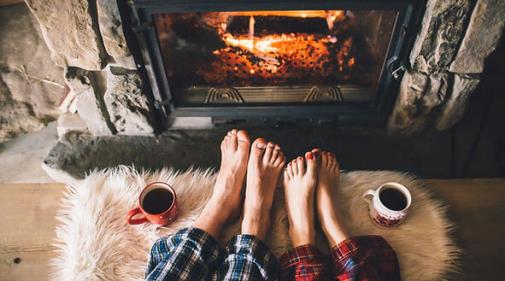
(27, 229)
(477, 206)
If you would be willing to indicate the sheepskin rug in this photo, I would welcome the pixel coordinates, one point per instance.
(94, 242)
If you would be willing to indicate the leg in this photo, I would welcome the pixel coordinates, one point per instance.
(357, 258)
(225, 201)
(326, 194)
(248, 258)
(192, 253)
(304, 261)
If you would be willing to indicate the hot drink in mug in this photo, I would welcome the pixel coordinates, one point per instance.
(388, 204)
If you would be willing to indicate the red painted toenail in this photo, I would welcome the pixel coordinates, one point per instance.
(309, 156)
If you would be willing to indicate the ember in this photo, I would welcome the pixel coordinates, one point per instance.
(279, 58)
(272, 48)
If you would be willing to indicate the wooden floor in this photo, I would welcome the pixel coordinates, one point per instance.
(477, 206)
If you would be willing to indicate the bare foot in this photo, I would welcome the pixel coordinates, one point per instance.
(265, 164)
(225, 200)
(300, 179)
(326, 196)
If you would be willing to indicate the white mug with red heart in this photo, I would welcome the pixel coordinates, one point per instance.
(388, 204)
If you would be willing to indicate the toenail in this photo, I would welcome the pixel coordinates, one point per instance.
(260, 145)
(300, 158)
(271, 144)
(277, 147)
(309, 156)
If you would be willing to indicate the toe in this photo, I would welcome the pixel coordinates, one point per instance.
(275, 154)
(331, 158)
(286, 177)
(233, 142)
(243, 140)
(289, 169)
(280, 160)
(268, 152)
(316, 152)
(258, 149)
(335, 163)
(323, 159)
(234, 131)
(294, 167)
(301, 164)
(311, 163)
(243, 136)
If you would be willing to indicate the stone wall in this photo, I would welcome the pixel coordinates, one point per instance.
(86, 38)
(446, 62)
(31, 85)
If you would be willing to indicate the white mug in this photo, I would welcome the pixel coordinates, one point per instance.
(389, 204)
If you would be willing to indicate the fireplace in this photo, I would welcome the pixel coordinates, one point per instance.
(273, 59)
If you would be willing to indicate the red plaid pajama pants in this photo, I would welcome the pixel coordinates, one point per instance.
(364, 258)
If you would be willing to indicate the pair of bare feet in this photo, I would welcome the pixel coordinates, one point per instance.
(262, 163)
(306, 179)
(310, 187)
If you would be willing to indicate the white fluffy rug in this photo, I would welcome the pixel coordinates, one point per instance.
(95, 243)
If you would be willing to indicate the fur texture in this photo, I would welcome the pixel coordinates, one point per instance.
(95, 243)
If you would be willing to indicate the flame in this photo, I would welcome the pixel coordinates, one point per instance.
(281, 56)
(257, 45)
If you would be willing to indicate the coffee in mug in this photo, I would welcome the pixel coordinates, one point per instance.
(157, 200)
(389, 204)
(157, 204)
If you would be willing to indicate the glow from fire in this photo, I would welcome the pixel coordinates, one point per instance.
(260, 44)
(281, 56)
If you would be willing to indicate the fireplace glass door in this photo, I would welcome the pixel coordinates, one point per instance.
(274, 57)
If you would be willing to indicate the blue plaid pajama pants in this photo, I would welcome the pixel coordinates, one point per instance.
(192, 254)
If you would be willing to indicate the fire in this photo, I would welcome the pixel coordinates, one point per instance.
(279, 57)
(261, 45)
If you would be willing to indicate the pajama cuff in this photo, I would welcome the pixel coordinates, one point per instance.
(201, 240)
(299, 254)
(249, 245)
(353, 244)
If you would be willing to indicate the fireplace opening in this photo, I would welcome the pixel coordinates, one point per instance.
(334, 49)
(293, 59)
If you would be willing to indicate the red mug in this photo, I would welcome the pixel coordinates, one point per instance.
(157, 203)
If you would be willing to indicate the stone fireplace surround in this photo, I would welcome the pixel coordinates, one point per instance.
(105, 91)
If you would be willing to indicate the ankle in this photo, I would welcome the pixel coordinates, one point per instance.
(335, 234)
(256, 225)
(208, 224)
(302, 237)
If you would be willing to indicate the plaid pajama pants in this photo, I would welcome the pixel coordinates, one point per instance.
(192, 254)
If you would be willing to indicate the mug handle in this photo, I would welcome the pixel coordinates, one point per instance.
(367, 193)
(132, 213)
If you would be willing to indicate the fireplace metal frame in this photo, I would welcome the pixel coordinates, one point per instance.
(142, 40)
